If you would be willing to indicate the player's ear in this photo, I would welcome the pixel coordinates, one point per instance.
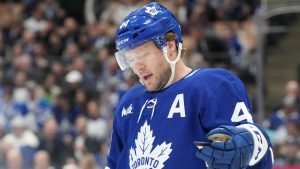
(171, 45)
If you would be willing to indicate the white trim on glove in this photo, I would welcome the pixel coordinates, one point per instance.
(260, 143)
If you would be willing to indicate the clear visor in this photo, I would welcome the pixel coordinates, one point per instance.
(122, 61)
(127, 59)
(126, 62)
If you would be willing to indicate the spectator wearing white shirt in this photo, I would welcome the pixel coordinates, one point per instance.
(97, 126)
(36, 22)
(20, 135)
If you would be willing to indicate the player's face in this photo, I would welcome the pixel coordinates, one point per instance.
(148, 62)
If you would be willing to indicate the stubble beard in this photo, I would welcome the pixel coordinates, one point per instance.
(160, 81)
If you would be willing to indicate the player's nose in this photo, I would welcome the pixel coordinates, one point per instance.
(139, 66)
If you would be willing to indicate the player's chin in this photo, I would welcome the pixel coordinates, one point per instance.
(151, 88)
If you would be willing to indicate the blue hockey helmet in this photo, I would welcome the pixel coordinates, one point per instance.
(150, 22)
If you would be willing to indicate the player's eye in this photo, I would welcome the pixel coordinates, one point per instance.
(139, 58)
(130, 60)
(144, 56)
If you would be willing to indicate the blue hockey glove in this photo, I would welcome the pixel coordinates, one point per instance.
(232, 154)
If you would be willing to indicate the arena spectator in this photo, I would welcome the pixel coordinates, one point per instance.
(97, 126)
(51, 141)
(36, 21)
(42, 160)
(3, 130)
(291, 90)
(87, 162)
(14, 159)
(22, 140)
(80, 137)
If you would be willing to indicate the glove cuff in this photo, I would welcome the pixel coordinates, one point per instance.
(260, 143)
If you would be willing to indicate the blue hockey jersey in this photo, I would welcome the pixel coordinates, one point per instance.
(157, 130)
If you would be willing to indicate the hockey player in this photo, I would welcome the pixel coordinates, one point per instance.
(158, 121)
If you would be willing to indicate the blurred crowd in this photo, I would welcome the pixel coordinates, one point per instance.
(60, 82)
(283, 126)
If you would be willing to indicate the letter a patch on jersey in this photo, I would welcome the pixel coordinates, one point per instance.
(177, 106)
(144, 156)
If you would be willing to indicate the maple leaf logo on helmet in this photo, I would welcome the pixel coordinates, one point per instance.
(151, 10)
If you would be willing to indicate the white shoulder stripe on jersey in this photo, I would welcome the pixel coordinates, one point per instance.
(272, 155)
(106, 167)
(191, 74)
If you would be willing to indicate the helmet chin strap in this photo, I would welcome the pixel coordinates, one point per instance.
(172, 63)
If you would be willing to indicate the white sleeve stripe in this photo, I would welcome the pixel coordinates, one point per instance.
(272, 155)
(260, 143)
(106, 167)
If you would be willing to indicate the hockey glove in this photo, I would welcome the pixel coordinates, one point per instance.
(232, 154)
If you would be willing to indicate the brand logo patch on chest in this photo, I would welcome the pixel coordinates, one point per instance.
(127, 111)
